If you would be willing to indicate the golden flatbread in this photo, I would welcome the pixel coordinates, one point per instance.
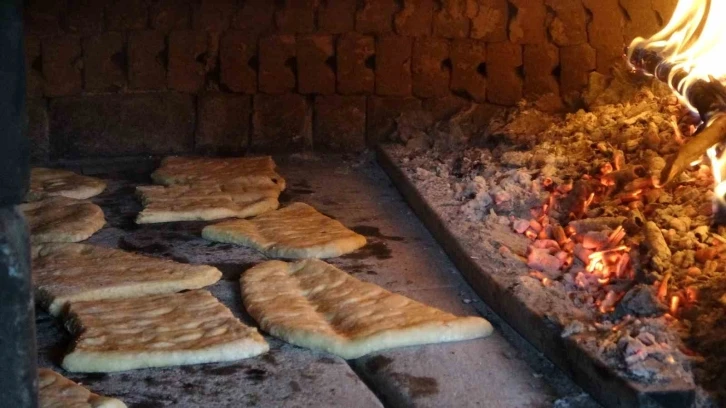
(296, 231)
(46, 182)
(204, 202)
(313, 304)
(157, 331)
(61, 219)
(64, 273)
(56, 391)
(247, 171)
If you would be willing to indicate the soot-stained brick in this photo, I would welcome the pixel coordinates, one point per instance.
(315, 57)
(355, 63)
(277, 64)
(393, 65)
(468, 75)
(237, 56)
(104, 62)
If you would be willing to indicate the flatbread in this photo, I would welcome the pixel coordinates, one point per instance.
(56, 391)
(157, 331)
(46, 182)
(61, 219)
(296, 231)
(64, 273)
(247, 171)
(313, 304)
(204, 202)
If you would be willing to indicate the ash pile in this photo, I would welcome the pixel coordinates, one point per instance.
(570, 202)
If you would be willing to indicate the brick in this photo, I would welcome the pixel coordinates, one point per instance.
(504, 80)
(415, 19)
(187, 68)
(376, 16)
(281, 123)
(37, 130)
(121, 125)
(336, 16)
(445, 107)
(664, 9)
(382, 113)
(237, 53)
(451, 20)
(489, 22)
(576, 63)
(104, 62)
(223, 123)
(340, 123)
(642, 21)
(296, 17)
(316, 57)
(168, 15)
(528, 24)
(605, 32)
(85, 17)
(126, 15)
(33, 64)
(540, 61)
(393, 65)
(468, 74)
(61, 58)
(431, 67)
(43, 17)
(355, 56)
(568, 24)
(255, 17)
(277, 64)
(212, 15)
(146, 51)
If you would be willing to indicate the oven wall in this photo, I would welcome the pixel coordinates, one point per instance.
(136, 77)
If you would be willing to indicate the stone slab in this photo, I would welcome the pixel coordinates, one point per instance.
(431, 375)
(401, 256)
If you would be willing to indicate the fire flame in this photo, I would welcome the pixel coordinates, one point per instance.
(692, 41)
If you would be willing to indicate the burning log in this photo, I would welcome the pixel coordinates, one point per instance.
(707, 97)
(708, 136)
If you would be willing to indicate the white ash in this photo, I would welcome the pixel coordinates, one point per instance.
(523, 151)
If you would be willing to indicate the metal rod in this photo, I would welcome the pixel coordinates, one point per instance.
(18, 356)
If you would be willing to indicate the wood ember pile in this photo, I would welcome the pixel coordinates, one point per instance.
(643, 262)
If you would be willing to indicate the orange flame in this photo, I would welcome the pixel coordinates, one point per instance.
(692, 41)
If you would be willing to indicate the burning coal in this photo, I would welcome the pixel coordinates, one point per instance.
(687, 54)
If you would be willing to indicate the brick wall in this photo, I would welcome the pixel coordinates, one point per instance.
(129, 77)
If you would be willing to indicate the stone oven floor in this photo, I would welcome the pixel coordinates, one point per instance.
(502, 370)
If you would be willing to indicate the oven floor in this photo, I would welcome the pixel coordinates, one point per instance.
(499, 371)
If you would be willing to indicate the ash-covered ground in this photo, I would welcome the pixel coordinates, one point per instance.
(565, 208)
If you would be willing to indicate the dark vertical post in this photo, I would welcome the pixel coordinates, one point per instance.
(18, 376)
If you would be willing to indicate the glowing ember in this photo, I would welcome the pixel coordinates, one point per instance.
(675, 300)
(692, 45)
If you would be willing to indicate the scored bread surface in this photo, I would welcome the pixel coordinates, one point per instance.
(313, 304)
(56, 391)
(72, 272)
(296, 231)
(203, 202)
(247, 171)
(157, 331)
(46, 182)
(61, 219)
